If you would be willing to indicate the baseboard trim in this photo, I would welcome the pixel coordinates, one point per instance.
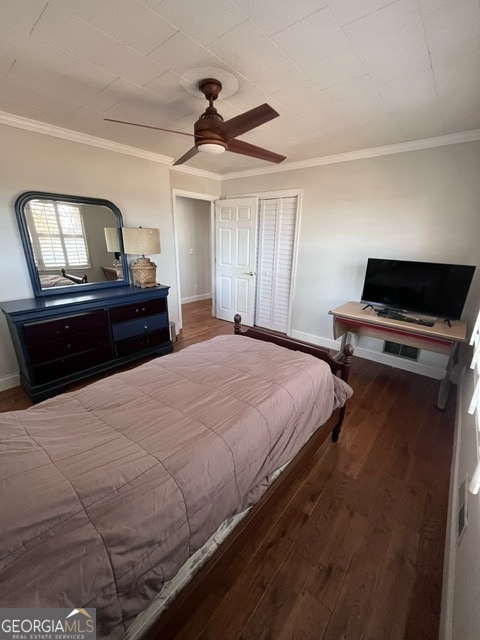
(197, 298)
(10, 381)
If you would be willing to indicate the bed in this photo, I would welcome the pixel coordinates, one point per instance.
(48, 280)
(109, 489)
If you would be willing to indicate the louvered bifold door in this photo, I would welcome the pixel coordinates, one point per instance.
(275, 258)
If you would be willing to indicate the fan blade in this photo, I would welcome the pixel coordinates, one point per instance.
(186, 156)
(147, 126)
(248, 120)
(247, 149)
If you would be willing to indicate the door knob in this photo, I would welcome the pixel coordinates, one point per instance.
(249, 273)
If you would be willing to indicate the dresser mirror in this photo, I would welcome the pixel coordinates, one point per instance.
(71, 243)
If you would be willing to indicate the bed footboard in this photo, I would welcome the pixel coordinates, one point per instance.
(76, 279)
(339, 367)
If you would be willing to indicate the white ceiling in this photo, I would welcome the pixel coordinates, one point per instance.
(344, 75)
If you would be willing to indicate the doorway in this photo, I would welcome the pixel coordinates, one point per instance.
(193, 234)
(274, 260)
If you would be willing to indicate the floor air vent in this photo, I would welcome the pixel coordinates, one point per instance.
(401, 350)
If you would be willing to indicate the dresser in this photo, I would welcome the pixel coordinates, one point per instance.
(62, 339)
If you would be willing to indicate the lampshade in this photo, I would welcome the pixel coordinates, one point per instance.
(112, 239)
(141, 241)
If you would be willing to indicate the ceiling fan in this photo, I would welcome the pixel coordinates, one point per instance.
(213, 135)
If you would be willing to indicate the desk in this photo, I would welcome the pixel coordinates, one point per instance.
(110, 273)
(352, 318)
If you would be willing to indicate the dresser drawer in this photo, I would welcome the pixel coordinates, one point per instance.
(139, 327)
(52, 349)
(138, 310)
(134, 345)
(57, 369)
(36, 333)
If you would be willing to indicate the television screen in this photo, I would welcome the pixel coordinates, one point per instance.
(424, 287)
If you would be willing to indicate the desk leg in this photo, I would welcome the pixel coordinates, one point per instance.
(444, 389)
(339, 355)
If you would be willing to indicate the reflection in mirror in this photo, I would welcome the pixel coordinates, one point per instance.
(70, 242)
(113, 246)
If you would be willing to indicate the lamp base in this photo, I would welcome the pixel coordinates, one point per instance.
(117, 265)
(144, 273)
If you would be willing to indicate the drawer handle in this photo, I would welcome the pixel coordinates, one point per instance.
(145, 326)
(69, 346)
(66, 327)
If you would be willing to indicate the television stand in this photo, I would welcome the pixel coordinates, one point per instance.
(439, 338)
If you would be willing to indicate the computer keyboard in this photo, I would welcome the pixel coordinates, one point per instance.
(398, 315)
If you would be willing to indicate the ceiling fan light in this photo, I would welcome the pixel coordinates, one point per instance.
(212, 148)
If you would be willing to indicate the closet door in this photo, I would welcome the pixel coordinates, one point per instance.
(275, 259)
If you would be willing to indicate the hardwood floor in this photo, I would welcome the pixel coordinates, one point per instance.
(198, 324)
(354, 549)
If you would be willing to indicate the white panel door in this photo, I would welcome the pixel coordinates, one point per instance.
(235, 258)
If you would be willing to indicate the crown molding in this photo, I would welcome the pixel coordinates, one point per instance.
(401, 147)
(44, 128)
(202, 173)
(76, 136)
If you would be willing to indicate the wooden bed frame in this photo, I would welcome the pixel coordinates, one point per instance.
(213, 571)
(76, 279)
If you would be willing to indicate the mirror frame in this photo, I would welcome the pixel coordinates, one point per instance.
(20, 204)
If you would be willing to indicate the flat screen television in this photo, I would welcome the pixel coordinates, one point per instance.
(429, 288)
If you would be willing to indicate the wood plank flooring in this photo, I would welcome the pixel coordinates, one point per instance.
(354, 549)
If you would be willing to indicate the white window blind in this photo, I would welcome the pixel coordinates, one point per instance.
(58, 235)
(474, 407)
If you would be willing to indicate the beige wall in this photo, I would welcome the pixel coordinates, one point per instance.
(193, 231)
(421, 205)
(195, 184)
(460, 618)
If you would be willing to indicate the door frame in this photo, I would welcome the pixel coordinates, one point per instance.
(192, 195)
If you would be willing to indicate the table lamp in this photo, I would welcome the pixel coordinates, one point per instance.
(113, 246)
(140, 241)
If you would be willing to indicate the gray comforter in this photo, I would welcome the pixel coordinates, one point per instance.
(106, 491)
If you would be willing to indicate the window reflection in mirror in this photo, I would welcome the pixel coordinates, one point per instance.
(65, 242)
